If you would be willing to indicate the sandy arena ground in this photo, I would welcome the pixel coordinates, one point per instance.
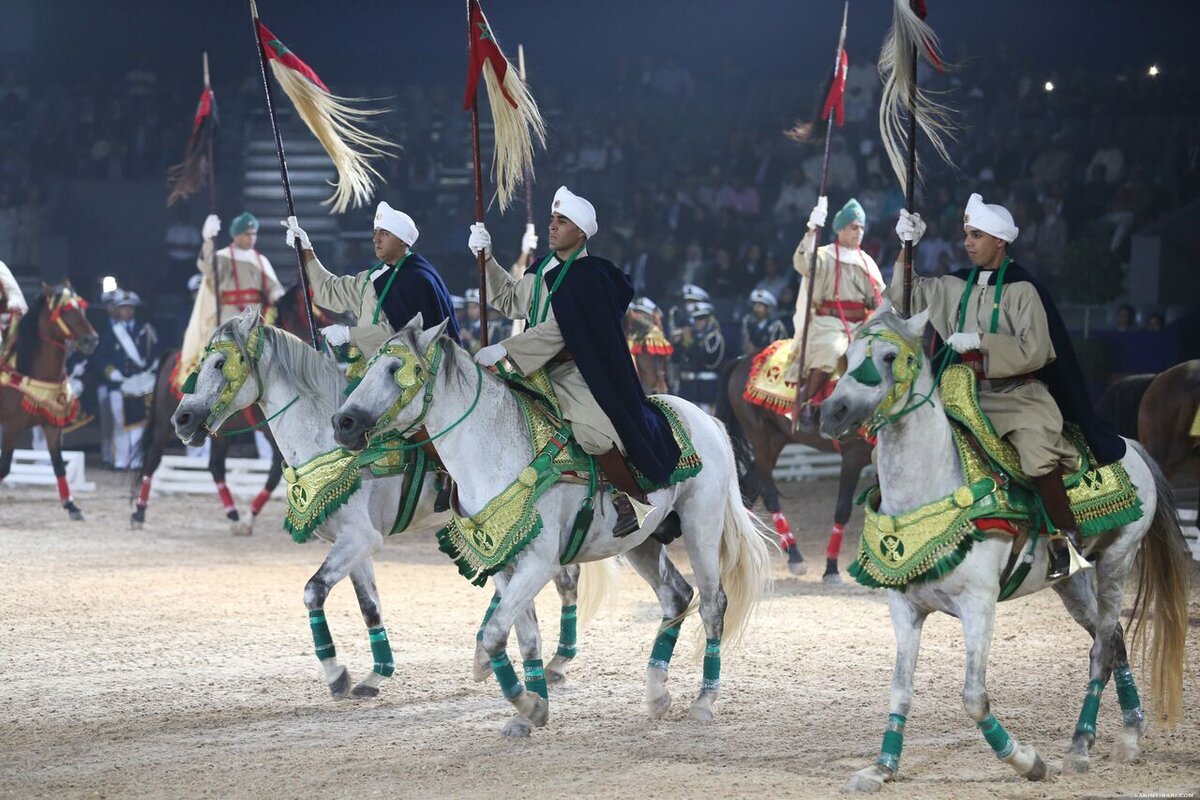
(176, 662)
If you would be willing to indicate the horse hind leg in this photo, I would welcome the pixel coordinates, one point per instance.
(54, 445)
(768, 444)
(706, 571)
(217, 453)
(567, 584)
(650, 561)
(852, 467)
(529, 640)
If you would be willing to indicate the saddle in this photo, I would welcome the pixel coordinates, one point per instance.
(772, 380)
(995, 498)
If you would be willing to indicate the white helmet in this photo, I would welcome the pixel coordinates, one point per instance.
(693, 293)
(763, 296)
(702, 309)
(645, 305)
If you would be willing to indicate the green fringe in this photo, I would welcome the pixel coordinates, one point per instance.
(301, 534)
(942, 567)
(476, 575)
(1113, 520)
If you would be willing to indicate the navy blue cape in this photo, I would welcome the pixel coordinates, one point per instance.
(589, 307)
(417, 287)
(1063, 376)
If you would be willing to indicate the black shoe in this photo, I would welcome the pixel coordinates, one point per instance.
(1060, 559)
(627, 521)
(442, 501)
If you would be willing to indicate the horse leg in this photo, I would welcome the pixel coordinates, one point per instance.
(529, 640)
(567, 583)
(907, 622)
(768, 444)
(483, 663)
(218, 450)
(274, 475)
(54, 445)
(348, 551)
(363, 579)
(530, 576)
(978, 616)
(650, 561)
(847, 482)
(706, 571)
(152, 458)
(8, 443)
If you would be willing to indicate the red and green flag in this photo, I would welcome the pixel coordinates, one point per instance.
(277, 51)
(483, 49)
(195, 171)
(835, 100)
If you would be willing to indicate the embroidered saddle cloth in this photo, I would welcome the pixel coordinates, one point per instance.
(928, 542)
(484, 543)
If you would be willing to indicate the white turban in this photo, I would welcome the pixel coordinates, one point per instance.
(576, 209)
(397, 223)
(990, 218)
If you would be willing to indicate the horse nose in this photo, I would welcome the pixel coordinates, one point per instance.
(87, 344)
(348, 430)
(833, 415)
(183, 419)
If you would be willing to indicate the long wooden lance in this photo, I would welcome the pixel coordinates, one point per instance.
(212, 201)
(812, 261)
(283, 171)
(480, 257)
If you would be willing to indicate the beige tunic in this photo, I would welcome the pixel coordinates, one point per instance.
(354, 294)
(1019, 406)
(534, 348)
(246, 279)
(857, 280)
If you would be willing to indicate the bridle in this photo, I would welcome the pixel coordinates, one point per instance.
(64, 300)
(906, 368)
(241, 361)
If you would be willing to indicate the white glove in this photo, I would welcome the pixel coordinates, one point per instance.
(910, 227)
(489, 355)
(16, 306)
(115, 375)
(529, 241)
(481, 240)
(335, 334)
(963, 342)
(820, 211)
(212, 226)
(295, 233)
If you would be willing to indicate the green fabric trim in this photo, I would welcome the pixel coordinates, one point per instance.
(535, 677)
(381, 651)
(538, 315)
(1091, 707)
(318, 488)
(997, 737)
(712, 665)
(567, 624)
(664, 644)
(506, 676)
(1127, 693)
(893, 742)
(487, 615)
(689, 465)
(322, 638)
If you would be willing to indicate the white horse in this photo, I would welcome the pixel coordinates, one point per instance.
(298, 389)
(918, 464)
(483, 441)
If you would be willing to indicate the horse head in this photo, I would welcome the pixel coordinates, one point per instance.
(221, 386)
(64, 318)
(403, 370)
(883, 364)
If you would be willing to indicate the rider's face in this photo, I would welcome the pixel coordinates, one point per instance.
(389, 248)
(564, 234)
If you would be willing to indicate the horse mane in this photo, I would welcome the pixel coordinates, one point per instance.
(891, 319)
(310, 370)
(28, 341)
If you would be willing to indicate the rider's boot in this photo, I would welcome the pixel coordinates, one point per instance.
(1058, 507)
(626, 487)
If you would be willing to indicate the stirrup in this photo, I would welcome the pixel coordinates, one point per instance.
(1075, 562)
(640, 510)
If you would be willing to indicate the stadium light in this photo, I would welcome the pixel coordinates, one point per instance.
(108, 284)
(1153, 71)
(1049, 87)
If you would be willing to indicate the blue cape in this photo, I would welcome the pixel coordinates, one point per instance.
(418, 287)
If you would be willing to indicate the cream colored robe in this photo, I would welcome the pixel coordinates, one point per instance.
(859, 282)
(1020, 408)
(533, 348)
(354, 294)
(249, 275)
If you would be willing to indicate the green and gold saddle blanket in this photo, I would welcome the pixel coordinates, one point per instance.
(484, 543)
(928, 542)
(323, 484)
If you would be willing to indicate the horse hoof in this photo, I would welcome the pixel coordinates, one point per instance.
(867, 780)
(658, 706)
(1038, 771)
(533, 707)
(701, 711)
(75, 514)
(365, 692)
(340, 688)
(517, 728)
(797, 567)
(241, 529)
(832, 579)
(556, 670)
(1073, 764)
(1125, 747)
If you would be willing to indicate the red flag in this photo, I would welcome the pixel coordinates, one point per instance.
(190, 175)
(206, 107)
(277, 50)
(837, 91)
(483, 48)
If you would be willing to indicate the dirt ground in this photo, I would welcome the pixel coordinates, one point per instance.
(176, 662)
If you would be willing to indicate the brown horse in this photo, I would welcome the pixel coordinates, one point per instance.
(1165, 417)
(759, 436)
(34, 380)
(160, 432)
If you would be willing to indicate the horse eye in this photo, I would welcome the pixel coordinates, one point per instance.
(393, 369)
(889, 358)
(220, 364)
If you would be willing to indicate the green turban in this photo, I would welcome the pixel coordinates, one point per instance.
(851, 212)
(243, 222)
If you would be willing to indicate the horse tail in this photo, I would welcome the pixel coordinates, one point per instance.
(597, 587)
(747, 547)
(1161, 599)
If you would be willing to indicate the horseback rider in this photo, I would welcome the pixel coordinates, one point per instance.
(574, 304)
(12, 307)
(243, 275)
(700, 353)
(384, 297)
(1005, 326)
(846, 287)
(645, 337)
(126, 359)
(760, 326)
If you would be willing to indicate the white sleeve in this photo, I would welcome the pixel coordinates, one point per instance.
(12, 289)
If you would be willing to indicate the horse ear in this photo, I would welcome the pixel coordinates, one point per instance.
(417, 323)
(916, 324)
(428, 337)
(885, 307)
(248, 320)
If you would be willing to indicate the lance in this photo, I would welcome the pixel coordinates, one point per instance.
(910, 181)
(812, 261)
(212, 202)
(283, 172)
(481, 257)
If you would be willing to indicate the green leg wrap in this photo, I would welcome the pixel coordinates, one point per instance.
(712, 666)
(535, 677)
(506, 676)
(1091, 707)
(1127, 695)
(381, 651)
(997, 737)
(322, 639)
(893, 742)
(566, 632)
(487, 615)
(664, 646)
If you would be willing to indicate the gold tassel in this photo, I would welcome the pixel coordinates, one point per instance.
(515, 130)
(336, 124)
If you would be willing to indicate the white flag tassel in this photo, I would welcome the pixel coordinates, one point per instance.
(896, 69)
(336, 121)
(516, 128)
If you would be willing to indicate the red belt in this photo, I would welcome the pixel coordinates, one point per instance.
(850, 310)
(241, 297)
(974, 360)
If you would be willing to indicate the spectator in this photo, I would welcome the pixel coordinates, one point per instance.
(1126, 318)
